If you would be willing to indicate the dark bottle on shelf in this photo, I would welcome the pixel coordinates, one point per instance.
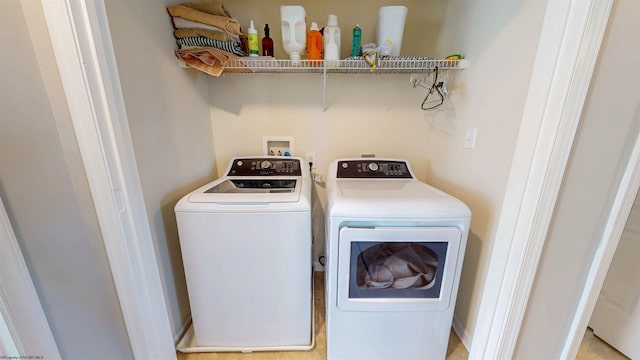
(267, 42)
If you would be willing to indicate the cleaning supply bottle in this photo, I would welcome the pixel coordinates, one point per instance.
(267, 42)
(314, 43)
(357, 39)
(331, 37)
(252, 37)
(294, 30)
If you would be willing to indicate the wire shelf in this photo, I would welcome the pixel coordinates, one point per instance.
(348, 66)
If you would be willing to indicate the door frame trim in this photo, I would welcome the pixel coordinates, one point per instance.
(20, 307)
(597, 273)
(84, 52)
(568, 49)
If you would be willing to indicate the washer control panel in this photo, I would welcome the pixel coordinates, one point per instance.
(266, 166)
(373, 168)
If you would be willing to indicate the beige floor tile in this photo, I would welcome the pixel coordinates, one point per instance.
(593, 348)
(456, 350)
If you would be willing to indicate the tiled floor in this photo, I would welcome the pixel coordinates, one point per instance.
(592, 348)
(456, 350)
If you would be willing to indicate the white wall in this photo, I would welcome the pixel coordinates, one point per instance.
(45, 190)
(500, 38)
(380, 114)
(168, 112)
(609, 125)
(366, 114)
(373, 114)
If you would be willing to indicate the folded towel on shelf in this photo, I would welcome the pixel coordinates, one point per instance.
(231, 26)
(201, 41)
(209, 60)
(181, 23)
(211, 7)
(210, 34)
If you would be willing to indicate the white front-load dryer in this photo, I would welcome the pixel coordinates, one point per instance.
(246, 248)
(394, 253)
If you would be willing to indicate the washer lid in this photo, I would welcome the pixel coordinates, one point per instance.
(249, 190)
(254, 186)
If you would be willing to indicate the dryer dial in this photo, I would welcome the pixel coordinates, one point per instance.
(373, 167)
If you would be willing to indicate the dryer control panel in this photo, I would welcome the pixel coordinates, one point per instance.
(265, 166)
(373, 169)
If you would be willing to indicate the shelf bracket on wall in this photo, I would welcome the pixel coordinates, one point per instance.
(324, 93)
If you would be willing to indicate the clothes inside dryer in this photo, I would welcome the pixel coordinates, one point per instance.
(398, 266)
(396, 269)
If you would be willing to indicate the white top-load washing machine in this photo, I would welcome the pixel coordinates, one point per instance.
(394, 253)
(246, 248)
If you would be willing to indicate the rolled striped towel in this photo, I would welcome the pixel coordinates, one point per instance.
(202, 41)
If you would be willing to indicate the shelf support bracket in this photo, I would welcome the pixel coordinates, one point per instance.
(324, 92)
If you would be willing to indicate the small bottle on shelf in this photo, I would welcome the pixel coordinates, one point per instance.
(314, 43)
(267, 42)
(253, 41)
(357, 39)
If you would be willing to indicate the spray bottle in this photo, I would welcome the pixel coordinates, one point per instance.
(267, 42)
(252, 37)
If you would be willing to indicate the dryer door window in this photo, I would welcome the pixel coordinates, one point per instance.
(397, 269)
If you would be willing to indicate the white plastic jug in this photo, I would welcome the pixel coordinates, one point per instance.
(331, 38)
(294, 30)
(390, 29)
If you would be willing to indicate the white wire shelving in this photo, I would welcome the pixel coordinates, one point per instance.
(398, 65)
(347, 66)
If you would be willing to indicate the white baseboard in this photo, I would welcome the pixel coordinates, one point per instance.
(181, 331)
(462, 333)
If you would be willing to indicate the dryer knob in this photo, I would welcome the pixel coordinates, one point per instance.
(266, 164)
(373, 167)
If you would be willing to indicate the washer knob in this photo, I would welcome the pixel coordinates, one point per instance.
(373, 167)
(266, 164)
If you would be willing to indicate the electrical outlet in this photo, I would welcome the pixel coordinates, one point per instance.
(470, 138)
(311, 158)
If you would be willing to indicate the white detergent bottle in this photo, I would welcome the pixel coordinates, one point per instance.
(390, 29)
(294, 30)
(331, 37)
